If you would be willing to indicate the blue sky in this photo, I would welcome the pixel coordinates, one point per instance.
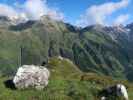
(74, 9)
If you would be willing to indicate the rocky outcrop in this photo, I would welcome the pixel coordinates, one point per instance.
(31, 76)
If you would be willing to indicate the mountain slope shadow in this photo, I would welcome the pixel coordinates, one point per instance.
(22, 26)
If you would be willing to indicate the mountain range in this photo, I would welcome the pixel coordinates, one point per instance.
(105, 50)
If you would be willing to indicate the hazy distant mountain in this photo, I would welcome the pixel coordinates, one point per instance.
(96, 48)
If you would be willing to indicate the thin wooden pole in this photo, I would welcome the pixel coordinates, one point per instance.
(21, 55)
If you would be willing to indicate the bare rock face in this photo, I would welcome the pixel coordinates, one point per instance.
(31, 76)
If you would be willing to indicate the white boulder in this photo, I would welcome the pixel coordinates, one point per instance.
(31, 76)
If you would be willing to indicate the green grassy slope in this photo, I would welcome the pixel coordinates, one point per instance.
(66, 83)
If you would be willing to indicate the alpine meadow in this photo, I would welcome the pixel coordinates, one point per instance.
(83, 57)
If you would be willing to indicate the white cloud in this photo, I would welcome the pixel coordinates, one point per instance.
(97, 14)
(56, 14)
(121, 19)
(35, 8)
(8, 11)
(30, 10)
